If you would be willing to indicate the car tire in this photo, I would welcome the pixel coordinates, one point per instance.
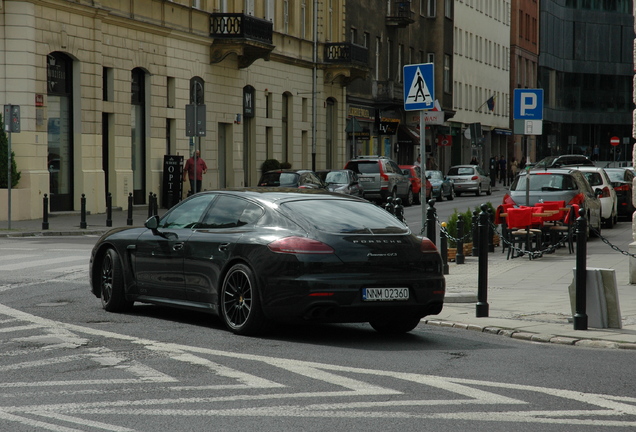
(478, 193)
(239, 302)
(440, 197)
(395, 325)
(416, 198)
(451, 196)
(111, 284)
(609, 222)
(489, 191)
(408, 201)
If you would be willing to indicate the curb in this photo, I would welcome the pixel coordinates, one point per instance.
(535, 337)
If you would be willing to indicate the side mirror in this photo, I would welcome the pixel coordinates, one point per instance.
(152, 223)
(598, 192)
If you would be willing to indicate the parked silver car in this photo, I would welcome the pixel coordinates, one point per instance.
(381, 177)
(469, 178)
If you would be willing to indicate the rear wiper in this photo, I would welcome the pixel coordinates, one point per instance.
(550, 188)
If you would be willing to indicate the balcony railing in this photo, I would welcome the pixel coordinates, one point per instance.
(400, 14)
(240, 26)
(346, 52)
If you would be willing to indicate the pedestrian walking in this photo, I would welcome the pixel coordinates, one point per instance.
(502, 170)
(188, 172)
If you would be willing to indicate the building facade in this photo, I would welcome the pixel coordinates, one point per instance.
(586, 68)
(397, 34)
(103, 88)
(481, 88)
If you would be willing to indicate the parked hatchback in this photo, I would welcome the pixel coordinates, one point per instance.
(381, 177)
(469, 178)
(602, 185)
(557, 184)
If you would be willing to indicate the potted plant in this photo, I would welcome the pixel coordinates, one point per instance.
(451, 228)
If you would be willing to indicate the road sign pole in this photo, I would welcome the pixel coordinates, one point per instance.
(423, 160)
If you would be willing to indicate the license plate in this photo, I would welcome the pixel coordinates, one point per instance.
(365, 179)
(385, 294)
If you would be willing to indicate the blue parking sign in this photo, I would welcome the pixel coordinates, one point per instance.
(528, 104)
(419, 87)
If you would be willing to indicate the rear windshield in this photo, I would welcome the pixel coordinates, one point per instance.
(364, 167)
(616, 176)
(545, 182)
(279, 179)
(461, 171)
(435, 175)
(593, 178)
(337, 177)
(354, 217)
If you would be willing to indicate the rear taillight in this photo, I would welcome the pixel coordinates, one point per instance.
(606, 192)
(475, 178)
(623, 188)
(427, 246)
(299, 245)
(384, 177)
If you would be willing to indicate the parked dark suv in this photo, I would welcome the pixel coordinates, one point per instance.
(564, 160)
(381, 177)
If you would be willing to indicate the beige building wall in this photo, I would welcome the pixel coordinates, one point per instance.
(171, 43)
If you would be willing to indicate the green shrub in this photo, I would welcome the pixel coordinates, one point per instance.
(451, 226)
(270, 164)
(285, 165)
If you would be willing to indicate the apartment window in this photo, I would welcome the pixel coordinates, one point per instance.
(388, 59)
(171, 87)
(269, 10)
(303, 19)
(448, 8)
(285, 16)
(447, 73)
(430, 57)
(400, 62)
(249, 7)
(365, 40)
(108, 93)
(354, 35)
(431, 8)
(378, 49)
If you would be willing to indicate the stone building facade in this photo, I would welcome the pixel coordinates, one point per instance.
(103, 87)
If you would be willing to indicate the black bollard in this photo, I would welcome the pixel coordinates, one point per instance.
(491, 231)
(459, 258)
(109, 210)
(155, 205)
(45, 213)
(580, 316)
(475, 231)
(129, 221)
(443, 247)
(431, 212)
(398, 209)
(150, 206)
(482, 278)
(389, 206)
(83, 212)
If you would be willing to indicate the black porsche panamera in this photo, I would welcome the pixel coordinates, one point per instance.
(256, 255)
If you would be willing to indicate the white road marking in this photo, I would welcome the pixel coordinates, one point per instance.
(41, 262)
(466, 391)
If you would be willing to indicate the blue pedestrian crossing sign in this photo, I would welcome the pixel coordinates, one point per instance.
(419, 87)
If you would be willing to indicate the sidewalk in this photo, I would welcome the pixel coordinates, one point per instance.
(527, 299)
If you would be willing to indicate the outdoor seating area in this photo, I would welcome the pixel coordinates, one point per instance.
(536, 230)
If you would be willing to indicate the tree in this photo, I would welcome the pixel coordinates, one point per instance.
(4, 148)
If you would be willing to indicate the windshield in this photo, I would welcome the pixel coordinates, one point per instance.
(461, 171)
(544, 182)
(347, 217)
(364, 167)
(435, 175)
(279, 179)
(336, 177)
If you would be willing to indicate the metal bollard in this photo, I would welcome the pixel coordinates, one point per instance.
(155, 205)
(83, 211)
(459, 258)
(150, 206)
(580, 316)
(482, 278)
(129, 221)
(443, 247)
(431, 212)
(398, 209)
(475, 231)
(389, 206)
(109, 210)
(45, 213)
(491, 231)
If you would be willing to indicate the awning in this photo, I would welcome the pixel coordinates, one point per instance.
(408, 135)
(500, 131)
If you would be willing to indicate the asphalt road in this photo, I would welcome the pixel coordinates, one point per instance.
(67, 365)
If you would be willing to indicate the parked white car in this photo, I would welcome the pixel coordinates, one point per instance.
(600, 181)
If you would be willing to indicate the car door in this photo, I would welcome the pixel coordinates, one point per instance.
(213, 243)
(158, 268)
(402, 181)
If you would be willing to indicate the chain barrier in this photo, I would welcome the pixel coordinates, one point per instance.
(610, 244)
(450, 238)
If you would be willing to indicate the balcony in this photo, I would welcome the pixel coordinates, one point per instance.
(248, 37)
(346, 62)
(400, 14)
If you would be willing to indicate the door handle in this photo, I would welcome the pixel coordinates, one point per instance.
(177, 247)
(223, 247)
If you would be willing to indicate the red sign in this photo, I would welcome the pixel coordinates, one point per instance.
(39, 100)
(444, 140)
(615, 141)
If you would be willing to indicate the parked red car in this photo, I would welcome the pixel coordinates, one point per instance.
(414, 172)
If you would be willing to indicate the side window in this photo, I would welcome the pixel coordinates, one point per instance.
(187, 214)
(230, 212)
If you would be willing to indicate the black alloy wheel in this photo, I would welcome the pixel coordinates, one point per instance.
(240, 306)
(112, 283)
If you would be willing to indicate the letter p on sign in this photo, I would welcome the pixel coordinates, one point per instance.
(528, 103)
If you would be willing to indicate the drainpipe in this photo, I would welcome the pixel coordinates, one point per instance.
(314, 86)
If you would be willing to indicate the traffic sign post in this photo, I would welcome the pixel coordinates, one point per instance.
(11, 124)
(420, 95)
